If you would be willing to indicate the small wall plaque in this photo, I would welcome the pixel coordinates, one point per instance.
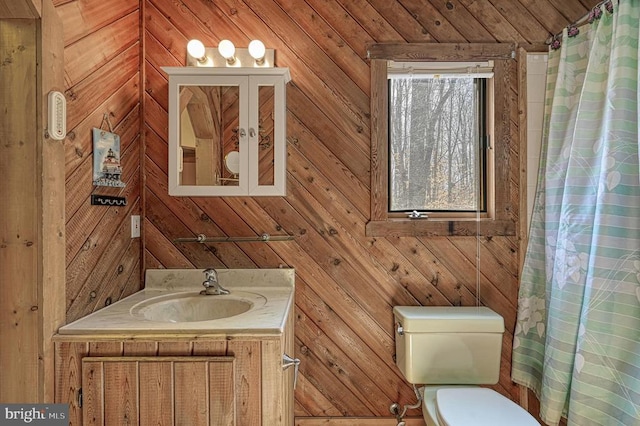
(106, 159)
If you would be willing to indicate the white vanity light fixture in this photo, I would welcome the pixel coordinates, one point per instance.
(228, 51)
(257, 51)
(196, 49)
(226, 55)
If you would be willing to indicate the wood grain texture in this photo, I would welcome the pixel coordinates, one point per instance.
(68, 359)
(102, 76)
(32, 211)
(156, 378)
(175, 390)
(52, 204)
(19, 262)
(191, 402)
(133, 383)
(21, 9)
(222, 406)
(348, 281)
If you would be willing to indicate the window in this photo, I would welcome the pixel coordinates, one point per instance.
(432, 121)
(438, 137)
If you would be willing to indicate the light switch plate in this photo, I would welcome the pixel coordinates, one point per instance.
(135, 226)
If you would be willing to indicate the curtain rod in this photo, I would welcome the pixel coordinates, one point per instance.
(201, 238)
(577, 22)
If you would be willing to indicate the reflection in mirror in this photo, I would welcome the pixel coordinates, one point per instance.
(232, 162)
(266, 153)
(208, 132)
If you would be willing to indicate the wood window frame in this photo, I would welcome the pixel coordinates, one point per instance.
(499, 220)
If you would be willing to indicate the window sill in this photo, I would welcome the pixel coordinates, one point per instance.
(439, 228)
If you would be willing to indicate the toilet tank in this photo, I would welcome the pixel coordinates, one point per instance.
(448, 345)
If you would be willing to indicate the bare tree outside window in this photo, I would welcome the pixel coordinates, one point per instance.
(435, 135)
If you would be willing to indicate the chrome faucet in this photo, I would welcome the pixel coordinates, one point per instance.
(211, 284)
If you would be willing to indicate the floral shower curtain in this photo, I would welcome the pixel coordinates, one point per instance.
(577, 337)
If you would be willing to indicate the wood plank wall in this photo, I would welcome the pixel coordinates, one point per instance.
(32, 211)
(20, 219)
(102, 76)
(347, 283)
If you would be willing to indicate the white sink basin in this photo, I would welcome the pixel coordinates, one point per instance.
(170, 303)
(190, 307)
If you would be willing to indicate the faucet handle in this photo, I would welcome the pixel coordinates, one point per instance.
(210, 274)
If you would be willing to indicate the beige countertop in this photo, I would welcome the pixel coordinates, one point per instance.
(272, 288)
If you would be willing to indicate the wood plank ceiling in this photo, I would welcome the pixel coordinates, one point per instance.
(347, 283)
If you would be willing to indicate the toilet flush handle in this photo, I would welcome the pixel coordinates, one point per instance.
(399, 329)
(287, 362)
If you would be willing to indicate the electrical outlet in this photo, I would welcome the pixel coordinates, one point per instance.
(135, 226)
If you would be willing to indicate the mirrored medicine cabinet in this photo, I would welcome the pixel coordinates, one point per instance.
(227, 131)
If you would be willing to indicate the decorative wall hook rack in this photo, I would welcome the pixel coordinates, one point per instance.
(107, 200)
(201, 238)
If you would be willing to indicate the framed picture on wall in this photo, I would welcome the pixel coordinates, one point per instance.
(106, 159)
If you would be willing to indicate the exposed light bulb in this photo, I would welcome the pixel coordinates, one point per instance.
(227, 50)
(195, 48)
(257, 51)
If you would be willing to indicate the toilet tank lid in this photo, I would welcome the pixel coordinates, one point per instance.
(448, 319)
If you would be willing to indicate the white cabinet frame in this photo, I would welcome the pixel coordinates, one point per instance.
(248, 81)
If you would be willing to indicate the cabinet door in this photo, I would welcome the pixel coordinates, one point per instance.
(208, 118)
(189, 391)
(267, 135)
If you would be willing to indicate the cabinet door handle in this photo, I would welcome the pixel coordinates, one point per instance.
(252, 132)
(242, 133)
(287, 362)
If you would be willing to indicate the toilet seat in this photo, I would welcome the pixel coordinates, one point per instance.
(462, 406)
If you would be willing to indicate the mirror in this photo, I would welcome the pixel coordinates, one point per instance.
(210, 135)
(208, 118)
(227, 131)
(232, 162)
(266, 153)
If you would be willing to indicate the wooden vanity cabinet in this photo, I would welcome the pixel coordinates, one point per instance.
(176, 380)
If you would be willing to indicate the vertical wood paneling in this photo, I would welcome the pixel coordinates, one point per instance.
(176, 390)
(157, 380)
(247, 380)
(92, 393)
(68, 359)
(121, 393)
(191, 394)
(32, 190)
(19, 223)
(222, 407)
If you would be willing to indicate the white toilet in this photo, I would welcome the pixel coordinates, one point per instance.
(449, 350)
